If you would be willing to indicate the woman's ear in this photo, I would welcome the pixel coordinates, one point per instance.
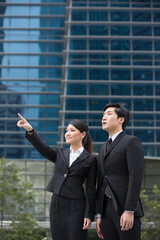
(83, 135)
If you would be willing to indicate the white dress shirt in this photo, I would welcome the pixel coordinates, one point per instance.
(74, 154)
(115, 135)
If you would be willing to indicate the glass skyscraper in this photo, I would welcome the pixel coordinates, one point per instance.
(65, 59)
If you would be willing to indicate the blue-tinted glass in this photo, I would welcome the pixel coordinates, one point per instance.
(98, 30)
(98, 44)
(76, 89)
(157, 45)
(145, 135)
(120, 59)
(156, 16)
(157, 88)
(98, 74)
(79, 15)
(141, 59)
(143, 120)
(2, 123)
(156, 4)
(158, 136)
(143, 105)
(142, 45)
(157, 59)
(126, 102)
(119, 16)
(157, 120)
(95, 119)
(157, 75)
(120, 30)
(76, 74)
(98, 15)
(79, 3)
(120, 74)
(141, 4)
(115, 3)
(158, 105)
(57, 10)
(78, 44)
(18, 10)
(97, 3)
(141, 16)
(78, 30)
(142, 31)
(99, 135)
(97, 104)
(56, 47)
(120, 45)
(14, 153)
(98, 59)
(71, 104)
(77, 59)
(98, 89)
(143, 90)
(120, 89)
(143, 74)
(55, 22)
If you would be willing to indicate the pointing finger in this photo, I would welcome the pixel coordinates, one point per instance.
(21, 117)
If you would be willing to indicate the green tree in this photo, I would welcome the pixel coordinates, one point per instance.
(16, 205)
(152, 215)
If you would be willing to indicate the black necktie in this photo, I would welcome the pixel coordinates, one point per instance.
(109, 141)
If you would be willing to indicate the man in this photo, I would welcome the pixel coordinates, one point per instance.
(121, 161)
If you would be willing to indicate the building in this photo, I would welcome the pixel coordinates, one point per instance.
(65, 59)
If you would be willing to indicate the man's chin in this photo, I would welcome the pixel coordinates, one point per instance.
(104, 128)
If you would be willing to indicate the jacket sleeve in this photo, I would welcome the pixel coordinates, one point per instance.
(100, 192)
(91, 190)
(135, 163)
(42, 148)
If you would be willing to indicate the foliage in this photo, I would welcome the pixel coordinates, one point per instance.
(152, 215)
(16, 205)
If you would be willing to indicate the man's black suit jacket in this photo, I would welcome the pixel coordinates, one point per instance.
(121, 168)
(68, 181)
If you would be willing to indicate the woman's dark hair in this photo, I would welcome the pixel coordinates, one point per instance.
(83, 127)
(121, 111)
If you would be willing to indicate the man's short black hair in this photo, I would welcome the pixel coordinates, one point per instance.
(121, 111)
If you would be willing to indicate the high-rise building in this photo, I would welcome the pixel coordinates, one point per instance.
(65, 59)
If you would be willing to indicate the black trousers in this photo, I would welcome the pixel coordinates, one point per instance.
(110, 224)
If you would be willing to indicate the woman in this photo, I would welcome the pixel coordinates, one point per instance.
(72, 207)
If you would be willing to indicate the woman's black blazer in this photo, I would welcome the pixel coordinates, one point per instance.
(68, 181)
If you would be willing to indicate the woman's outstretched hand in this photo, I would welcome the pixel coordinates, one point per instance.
(23, 123)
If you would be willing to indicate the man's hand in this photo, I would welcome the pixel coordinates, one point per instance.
(98, 228)
(126, 221)
(86, 223)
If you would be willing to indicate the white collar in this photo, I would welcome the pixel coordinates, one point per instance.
(115, 135)
(79, 150)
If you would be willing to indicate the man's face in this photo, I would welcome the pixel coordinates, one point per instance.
(110, 120)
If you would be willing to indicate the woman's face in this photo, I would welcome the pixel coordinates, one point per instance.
(73, 136)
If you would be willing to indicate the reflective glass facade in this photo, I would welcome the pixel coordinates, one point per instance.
(65, 59)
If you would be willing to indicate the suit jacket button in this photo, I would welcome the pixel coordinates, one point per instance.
(65, 175)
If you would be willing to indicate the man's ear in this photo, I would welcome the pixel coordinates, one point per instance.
(122, 120)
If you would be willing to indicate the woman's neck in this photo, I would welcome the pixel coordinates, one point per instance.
(76, 147)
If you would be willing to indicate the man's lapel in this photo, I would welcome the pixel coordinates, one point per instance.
(114, 143)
